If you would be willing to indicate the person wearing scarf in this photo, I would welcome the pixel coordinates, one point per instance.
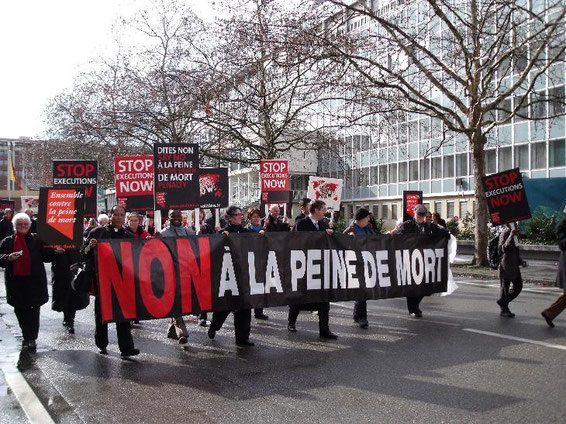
(22, 256)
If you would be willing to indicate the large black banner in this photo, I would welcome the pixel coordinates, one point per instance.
(78, 173)
(175, 182)
(162, 277)
(506, 197)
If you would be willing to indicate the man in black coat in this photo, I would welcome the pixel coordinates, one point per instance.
(113, 230)
(304, 205)
(418, 225)
(313, 222)
(511, 282)
(6, 226)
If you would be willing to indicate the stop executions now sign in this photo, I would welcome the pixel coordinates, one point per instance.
(506, 197)
(133, 177)
(274, 175)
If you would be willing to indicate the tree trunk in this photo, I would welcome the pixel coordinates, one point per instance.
(477, 143)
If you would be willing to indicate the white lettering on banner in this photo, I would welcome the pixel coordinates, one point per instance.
(412, 268)
(297, 272)
(272, 277)
(228, 276)
(382, 257)
(313, 269)
(135, 186)
(350, 261)
(326, 265)
(338, 269)
(403, 267)
(429, 262)
(417, 269)
(255, 288)
(370, 270)
(134, 165)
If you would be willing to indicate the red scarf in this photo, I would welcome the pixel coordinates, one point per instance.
(22, 265)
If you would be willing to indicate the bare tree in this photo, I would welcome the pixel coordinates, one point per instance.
(470, 65)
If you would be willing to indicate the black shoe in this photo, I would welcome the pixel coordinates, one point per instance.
(103, 351)
(417, 314)
(183, 340)
(203, 323)
(261, 316)
(291, 328)
(246, 343)
(211, 333)
(363, 323)
(32, 346)
(128, 353)
(65, 323)
(71, 329)
(328, 335)
(507, 314)
(547, 319)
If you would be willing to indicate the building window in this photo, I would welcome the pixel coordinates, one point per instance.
(425, 169)
(522, 157)
(448, 166)
(394, 211)
(449, 210)
(504, 158)
(382, 174)
(463, 208)
(437, 167)
(438, 207)
(392, 173)
(414, 170)
(402, 172)
(374, 176)
(384, 212)
(556, 153)
(556, 101)
(375, 209)
(538, 155)
(489, 156)
(461, 165)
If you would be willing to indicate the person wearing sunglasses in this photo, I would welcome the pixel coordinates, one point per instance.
(418, 225)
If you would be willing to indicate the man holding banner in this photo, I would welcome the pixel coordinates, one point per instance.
(313, 222)
(113, 230)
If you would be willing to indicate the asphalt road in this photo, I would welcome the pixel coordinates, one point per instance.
(453, 366)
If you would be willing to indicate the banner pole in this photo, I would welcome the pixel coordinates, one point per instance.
(216, 218)
(157, 220)
(197, 220)
(285, 209)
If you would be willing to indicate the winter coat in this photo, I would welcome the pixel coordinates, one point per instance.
(25, 292)
(63, 297)
(561, 238)
(235, 229)
(274, 225)
(139, 233)
(173, 231)
(510, 257)
(411, 227)
(6, 228)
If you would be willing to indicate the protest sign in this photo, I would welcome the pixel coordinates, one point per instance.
(30, 202)
(213, 183)
(7, 204)
(78, 173)
(506, 197)
(274, 175)
(133, 178)
(329, 190)
(60, 218)
(175, 180)
(410, 200)
(162, 277)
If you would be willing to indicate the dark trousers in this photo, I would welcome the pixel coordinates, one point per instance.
(510, 289)
(557, 307)
(323, 309)
(242, 322)
(258, 311)
(360, 310)
(69, 316)
(28, 318)
(125, 341)
(413, 303)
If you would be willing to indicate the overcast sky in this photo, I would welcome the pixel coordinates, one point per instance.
(43, 44)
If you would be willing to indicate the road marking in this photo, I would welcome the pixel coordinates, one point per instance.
(519, 339)
(541, 290)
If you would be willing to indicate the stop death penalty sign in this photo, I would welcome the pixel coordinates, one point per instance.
(274, 175)
(167, 277)
(133, 178)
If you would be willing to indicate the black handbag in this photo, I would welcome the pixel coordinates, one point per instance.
(82, 277)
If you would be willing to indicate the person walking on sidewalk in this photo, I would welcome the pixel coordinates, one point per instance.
(509, 272)
(557, 307)
(22, 255)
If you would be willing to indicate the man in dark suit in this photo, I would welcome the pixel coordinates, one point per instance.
(313, 222)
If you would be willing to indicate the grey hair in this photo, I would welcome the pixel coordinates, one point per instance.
(22, 216)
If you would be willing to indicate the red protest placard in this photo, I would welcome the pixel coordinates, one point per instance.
(133, 177)
(274, 175)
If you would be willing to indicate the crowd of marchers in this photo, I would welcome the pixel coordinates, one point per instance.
(23, 255)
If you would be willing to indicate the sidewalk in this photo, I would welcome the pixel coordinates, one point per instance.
(537, 272)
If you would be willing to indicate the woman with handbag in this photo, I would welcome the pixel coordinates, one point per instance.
(22, 255)
(64, 298)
